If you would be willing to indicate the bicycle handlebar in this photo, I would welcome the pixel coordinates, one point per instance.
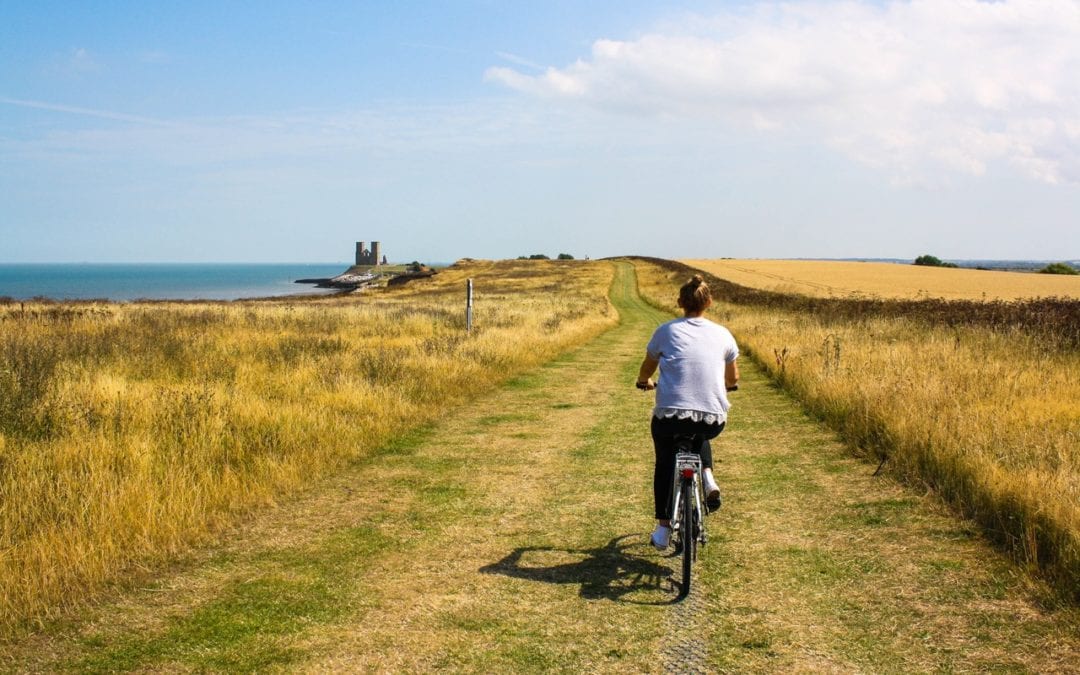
(644, 386)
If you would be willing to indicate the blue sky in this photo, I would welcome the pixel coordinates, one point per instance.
(286, 131)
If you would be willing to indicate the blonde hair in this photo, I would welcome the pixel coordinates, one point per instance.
(694, 296)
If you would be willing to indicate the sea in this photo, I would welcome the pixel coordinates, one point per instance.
(161, 281)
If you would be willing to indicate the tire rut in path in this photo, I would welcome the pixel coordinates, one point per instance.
(686, 650)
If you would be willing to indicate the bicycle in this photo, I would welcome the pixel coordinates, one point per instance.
(687, 503)
(687, 525)
(688, 497)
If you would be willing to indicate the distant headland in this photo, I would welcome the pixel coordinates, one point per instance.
(372, 269)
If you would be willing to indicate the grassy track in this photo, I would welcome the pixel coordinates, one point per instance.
(512, 536)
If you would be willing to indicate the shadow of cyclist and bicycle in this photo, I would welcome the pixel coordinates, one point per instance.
(623, 570)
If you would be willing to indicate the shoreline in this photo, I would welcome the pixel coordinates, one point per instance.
(57, 282)
(361, 276)
(352, 279)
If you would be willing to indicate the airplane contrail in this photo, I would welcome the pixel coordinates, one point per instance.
(88, 112)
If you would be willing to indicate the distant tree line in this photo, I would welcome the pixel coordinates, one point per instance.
(1052, 268)
(1058, 268)
(541, 256)
(932, 261)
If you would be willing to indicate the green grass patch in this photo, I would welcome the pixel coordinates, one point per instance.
(247, 627)
(505, 418)
(879, 513)
(523, 382)
(237, 631)
(404, 443)
(474, 621)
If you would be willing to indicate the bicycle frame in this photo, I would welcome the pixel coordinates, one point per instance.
(687, 466)
(687, 521)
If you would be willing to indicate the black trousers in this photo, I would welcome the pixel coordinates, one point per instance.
(664, 431)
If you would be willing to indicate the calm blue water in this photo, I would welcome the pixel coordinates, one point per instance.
(173, 281)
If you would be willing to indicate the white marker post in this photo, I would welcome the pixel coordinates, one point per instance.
(468, 307)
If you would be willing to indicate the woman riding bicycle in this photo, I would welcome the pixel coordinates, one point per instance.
(696, 358)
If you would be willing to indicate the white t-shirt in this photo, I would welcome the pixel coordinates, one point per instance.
(693, 353)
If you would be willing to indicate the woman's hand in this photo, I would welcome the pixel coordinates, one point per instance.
(645, 373)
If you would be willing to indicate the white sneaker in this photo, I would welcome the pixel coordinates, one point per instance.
(712, 491)
(661, 537)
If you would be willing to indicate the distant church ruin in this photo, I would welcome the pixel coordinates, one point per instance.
(369, 257)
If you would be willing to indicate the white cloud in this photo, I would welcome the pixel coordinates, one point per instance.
(919, 89)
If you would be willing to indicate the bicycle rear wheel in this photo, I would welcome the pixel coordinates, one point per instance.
(689, 539)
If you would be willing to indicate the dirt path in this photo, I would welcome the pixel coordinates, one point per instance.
(513, 536)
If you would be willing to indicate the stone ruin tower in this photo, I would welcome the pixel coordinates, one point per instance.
(365, 256)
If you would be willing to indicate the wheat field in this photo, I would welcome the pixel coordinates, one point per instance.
(988, 419)
(888, 280)
(130, 432)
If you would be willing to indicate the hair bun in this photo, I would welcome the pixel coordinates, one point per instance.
(694, 296)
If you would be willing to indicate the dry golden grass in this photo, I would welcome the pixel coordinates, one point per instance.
(501, 539)
(888, 280)
(129, 432)
(991, 421)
